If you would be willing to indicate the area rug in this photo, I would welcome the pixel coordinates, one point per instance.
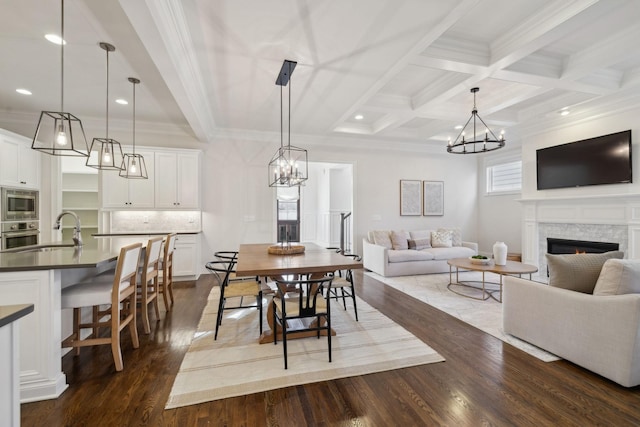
(484, 315)
(236, 364)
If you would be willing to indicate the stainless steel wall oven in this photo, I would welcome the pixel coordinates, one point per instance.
(17, 234)
(19, 205)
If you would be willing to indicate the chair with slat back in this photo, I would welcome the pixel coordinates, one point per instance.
(119, 294)
(234, 290)
(302, 299)
(166, 270)
(149, 281)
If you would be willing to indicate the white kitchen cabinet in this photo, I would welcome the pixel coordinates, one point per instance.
(186, 255)
(123, 193)
(19, 164)
(177, 180)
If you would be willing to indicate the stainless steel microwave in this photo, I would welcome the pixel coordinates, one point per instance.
(19, 205)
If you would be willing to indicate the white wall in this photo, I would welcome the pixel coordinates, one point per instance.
(238, 204)
(499, 216)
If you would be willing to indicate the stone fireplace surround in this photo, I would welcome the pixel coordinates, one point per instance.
(614, 218)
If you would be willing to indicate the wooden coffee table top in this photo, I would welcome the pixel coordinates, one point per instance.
(512, 267)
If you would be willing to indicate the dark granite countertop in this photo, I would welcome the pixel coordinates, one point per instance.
(96, 252)
(11, 313)
(141, 234)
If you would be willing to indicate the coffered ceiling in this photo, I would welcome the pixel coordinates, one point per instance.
(208, 68)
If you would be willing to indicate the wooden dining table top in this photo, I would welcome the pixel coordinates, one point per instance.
(255, 260)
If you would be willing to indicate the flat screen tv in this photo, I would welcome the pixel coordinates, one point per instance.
(601, 160)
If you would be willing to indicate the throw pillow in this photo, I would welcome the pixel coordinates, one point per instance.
(419, 244)
(400, 240)
(577, 272)
(456, 235)
(441, 239)
(618, 277)
(381, 237)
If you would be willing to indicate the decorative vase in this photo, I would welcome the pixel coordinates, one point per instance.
(500, 253)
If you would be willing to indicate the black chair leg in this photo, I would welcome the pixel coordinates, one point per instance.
(219, 317)
(284, 340)
(355, 308)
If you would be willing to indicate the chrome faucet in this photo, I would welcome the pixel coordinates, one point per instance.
(77, 236)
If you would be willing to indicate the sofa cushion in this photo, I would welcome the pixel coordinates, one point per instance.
(450, 253)
(618, 276)
(382, 238)
(419, 244)
(577, 272)
(400, 240)
(456, 235)
(421, 234)
(409, 255)
(441, 239)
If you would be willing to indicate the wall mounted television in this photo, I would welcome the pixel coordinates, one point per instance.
(601, 160)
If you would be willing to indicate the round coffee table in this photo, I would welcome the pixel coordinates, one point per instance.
(512, 267)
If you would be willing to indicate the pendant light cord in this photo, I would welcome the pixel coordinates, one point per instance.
(107, 93)
(62, 58)
(289, 123)
(134, 118)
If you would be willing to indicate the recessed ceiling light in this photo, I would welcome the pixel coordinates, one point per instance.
(458, 127)
(564, 112)
(23, 91)
(122, 101)
(53, 38)
(359, 117)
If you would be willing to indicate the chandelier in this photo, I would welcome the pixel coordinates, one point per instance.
(59, 133)
(288, 166)
(478, 144)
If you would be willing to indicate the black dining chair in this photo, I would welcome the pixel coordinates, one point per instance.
(238, 288)
(304, 300)
(342, 286)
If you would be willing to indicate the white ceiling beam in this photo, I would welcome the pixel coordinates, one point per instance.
(433, 34)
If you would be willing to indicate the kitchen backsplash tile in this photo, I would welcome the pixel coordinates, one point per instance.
(156, 221)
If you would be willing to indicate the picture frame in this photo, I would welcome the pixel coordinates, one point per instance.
(410, 197)
(433, 198)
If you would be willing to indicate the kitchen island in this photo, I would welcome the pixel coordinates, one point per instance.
(37, 277)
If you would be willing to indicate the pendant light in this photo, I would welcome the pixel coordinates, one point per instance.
(59, 133)
(133, 165)
(289, 166)
(105, 153)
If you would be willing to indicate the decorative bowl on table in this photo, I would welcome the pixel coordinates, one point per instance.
(286, 249)
(481, 261)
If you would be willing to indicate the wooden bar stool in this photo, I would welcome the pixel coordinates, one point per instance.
(149, 283)
(119, 295)
(166, 270)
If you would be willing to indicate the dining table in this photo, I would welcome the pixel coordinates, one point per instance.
(254, 259)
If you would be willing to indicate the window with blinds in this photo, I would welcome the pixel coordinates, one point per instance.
(504, 177)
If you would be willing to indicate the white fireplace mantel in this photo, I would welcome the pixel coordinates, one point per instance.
(585, 216)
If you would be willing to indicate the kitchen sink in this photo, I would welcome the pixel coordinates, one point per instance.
(39, 248)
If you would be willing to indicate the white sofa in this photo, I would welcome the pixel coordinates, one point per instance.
(387, 261)
(600, 331)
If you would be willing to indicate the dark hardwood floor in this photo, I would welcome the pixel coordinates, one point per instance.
(483, 382)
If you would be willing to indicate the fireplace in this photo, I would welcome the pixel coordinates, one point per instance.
(565, 246)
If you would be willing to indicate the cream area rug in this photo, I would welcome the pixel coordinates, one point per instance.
(485, 315)
(236, 364)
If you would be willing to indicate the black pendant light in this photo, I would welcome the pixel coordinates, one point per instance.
(105, 153)
(133, 165)
(288, 166)
(59, 133)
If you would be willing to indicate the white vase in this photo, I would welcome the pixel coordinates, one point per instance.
(500, 253)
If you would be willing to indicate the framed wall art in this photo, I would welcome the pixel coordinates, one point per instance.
(433, 198)
(410, 197)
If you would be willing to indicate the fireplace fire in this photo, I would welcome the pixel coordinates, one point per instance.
(565, 246)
